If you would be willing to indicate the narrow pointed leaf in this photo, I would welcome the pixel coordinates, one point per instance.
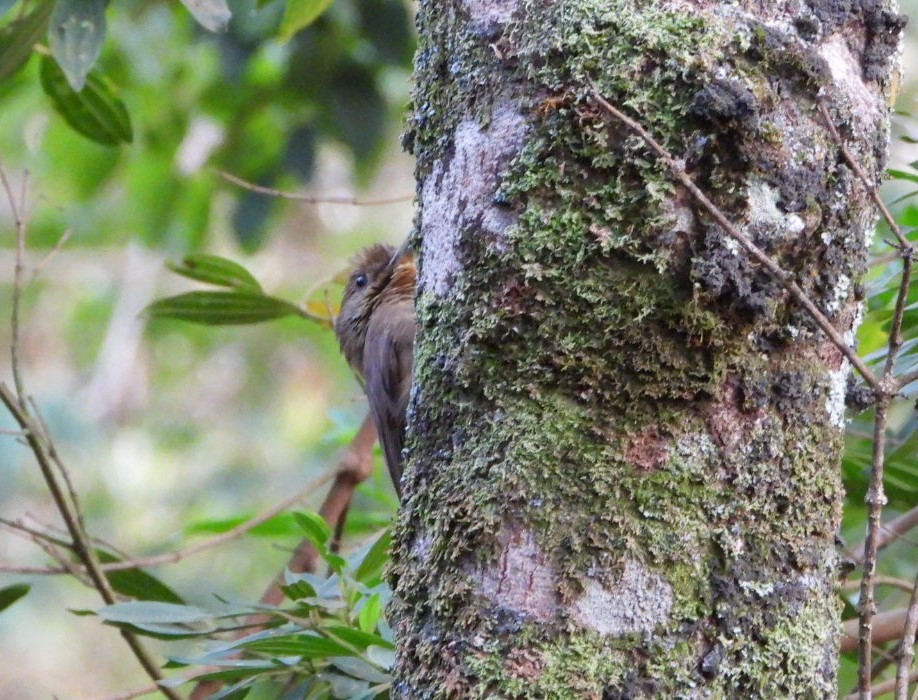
(11, 594)
(95, 111)
(17, 39)
(375, 558)
(76, 35)
(222, 308)
(317, 530)
(138, 584)
(213, 269)
(145, 612)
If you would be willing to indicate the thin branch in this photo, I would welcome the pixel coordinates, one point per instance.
(18, 527)
(180, 554)
(892, 531)
(308, 199)
(875, 500)
(58, 462)
(880, 580)
(39, 268)
(888, 626)
(906, 652)
(884, 687)
(81, 544)
(19, 219)
(677, 171)
(859, 171)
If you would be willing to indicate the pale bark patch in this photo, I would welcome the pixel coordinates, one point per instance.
(638, 603)
(488, 11)
(846, 75)
(459, 193)
(765, 215)
(522, 579)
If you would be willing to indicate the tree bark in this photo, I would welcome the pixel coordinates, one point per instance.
(624, 438)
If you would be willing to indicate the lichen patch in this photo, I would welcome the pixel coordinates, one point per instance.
(639, 603)
(846, 74)
(459, 193)
(486, 12)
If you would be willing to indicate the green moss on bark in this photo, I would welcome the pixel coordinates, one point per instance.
(610, 381)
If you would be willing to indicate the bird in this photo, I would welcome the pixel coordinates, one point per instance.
(375, 329)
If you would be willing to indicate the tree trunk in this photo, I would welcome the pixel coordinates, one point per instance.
(624, 440)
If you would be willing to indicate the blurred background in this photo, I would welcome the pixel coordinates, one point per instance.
(174, 431)
(170, 429)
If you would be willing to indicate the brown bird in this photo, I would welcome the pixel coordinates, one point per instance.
(375, 329)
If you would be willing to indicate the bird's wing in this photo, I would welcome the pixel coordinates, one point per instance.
(387, 358)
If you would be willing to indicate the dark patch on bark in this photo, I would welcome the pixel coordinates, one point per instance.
(788, 58)
(730, 280)
(883, 31)
(633, 688)
(724, 101)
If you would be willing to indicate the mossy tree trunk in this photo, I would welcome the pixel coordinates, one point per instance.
(624, 439)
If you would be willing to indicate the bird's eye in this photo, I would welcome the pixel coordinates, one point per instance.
(360, 280)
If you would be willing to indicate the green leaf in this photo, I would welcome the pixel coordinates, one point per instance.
(278, 526)
(95, 111)
(355, 637)
(299, 590)
(374, 561)
(11, 594)
(137, 584)
(18, 37)
(901, 175)
(213, 15)
(300, 14)
(317, 530)
(144, 612)
(215, 270)
(369, 613)
(76, 34)
(309, 646)
(222, 308)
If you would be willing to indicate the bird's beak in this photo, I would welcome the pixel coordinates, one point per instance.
(403, 249)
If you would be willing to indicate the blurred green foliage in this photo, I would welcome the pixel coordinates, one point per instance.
(174, 432)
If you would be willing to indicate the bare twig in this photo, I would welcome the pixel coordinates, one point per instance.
(875, 499)
(40, 266)
(880, 580)
(82, 546)
(892, 531)
(180, 554)
(883, 688)
(859, 171)
(677, 171)
(887, 626)
(17, 404)
(19, 218)
(18, 527)
(58, 462)
(308, 199)
(906, 651)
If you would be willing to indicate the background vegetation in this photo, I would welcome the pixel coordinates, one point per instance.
(175, 431)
